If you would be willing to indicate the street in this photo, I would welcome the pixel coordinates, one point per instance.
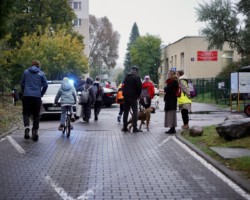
(100, 162)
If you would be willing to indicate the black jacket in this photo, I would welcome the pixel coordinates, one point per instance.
(132, 86)
(170, 95)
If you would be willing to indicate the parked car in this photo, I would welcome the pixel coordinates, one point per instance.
(48, 107)
(109, 96)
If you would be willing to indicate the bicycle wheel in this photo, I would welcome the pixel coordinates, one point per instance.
(68, 126)
(64, 128)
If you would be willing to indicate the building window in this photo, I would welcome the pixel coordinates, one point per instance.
(76, 5)
(77, 22)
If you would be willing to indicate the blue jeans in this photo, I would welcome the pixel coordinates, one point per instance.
(63, 114)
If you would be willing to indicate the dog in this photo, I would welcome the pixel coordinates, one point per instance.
(143, 116)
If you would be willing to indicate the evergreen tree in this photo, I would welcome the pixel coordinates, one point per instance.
(133, 36)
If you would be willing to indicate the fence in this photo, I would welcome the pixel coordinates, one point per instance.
(218, 90)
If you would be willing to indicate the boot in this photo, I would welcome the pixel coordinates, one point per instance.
(171, 131)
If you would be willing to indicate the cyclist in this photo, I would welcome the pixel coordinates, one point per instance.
(67, 93)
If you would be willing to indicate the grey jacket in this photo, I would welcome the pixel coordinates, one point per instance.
(67, 93)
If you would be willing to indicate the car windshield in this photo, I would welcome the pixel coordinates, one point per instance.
(52, 89)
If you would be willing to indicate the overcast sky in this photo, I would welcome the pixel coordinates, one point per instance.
(168, 19)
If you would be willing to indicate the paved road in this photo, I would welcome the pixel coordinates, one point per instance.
(98, 161)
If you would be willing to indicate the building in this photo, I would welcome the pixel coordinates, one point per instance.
(191, 54)
(81, 23)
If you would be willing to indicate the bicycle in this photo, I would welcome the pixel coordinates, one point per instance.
(67, 124)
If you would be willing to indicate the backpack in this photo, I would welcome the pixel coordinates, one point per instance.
(120, 97)
(192, 89)
(84, 96)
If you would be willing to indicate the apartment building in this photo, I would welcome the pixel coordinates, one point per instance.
(191, 54)
(81, 23)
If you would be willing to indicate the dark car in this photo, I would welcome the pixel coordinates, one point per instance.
(109, 96)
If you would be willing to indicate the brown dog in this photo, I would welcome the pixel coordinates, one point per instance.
(143, 116)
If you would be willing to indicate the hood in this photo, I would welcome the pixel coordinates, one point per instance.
(145, 84)
(183, 77)
(66, 86)
(34, 69)
(89, 81)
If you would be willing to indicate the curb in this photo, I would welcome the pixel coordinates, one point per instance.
(4, 134)
(227, 172)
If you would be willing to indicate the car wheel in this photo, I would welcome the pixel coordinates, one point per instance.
(247, 110)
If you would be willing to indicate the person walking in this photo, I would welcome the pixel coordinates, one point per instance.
(99, 94)
(33, 86)
(67, 96)
(148, 92)
(120, 100)
(86, 106)
(131, 92)
(170, 100)
(184, 100)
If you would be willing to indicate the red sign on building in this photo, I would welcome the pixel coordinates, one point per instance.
(207, 55)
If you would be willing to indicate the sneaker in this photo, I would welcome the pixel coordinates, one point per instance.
(96, 118)
(124, 129)
(119, 118)
(26, 133)
(35, 135)
(60, 128)
(185, 126)
(71, 127)
(137, 130)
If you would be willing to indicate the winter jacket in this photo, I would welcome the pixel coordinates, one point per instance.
(132, 86)
(67, 93)
(185, 93)
(170, 95)
(150, 87)
(33, 82)
(99, 91)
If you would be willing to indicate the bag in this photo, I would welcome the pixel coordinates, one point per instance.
(192, 90)
(84, 96)
(178, 91)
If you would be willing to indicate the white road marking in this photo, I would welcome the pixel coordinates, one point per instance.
(59, 190)
(84, 196)
(2, 139)
(16, 145)
(235, 187)
(164, 141)
(64, 195)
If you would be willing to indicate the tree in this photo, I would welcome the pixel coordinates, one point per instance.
(146, 54)
(103, 42)
(133, 36)
(60, 54)
(223, 24)
(26, 16)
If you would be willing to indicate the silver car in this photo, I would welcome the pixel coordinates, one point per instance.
(48, 107)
